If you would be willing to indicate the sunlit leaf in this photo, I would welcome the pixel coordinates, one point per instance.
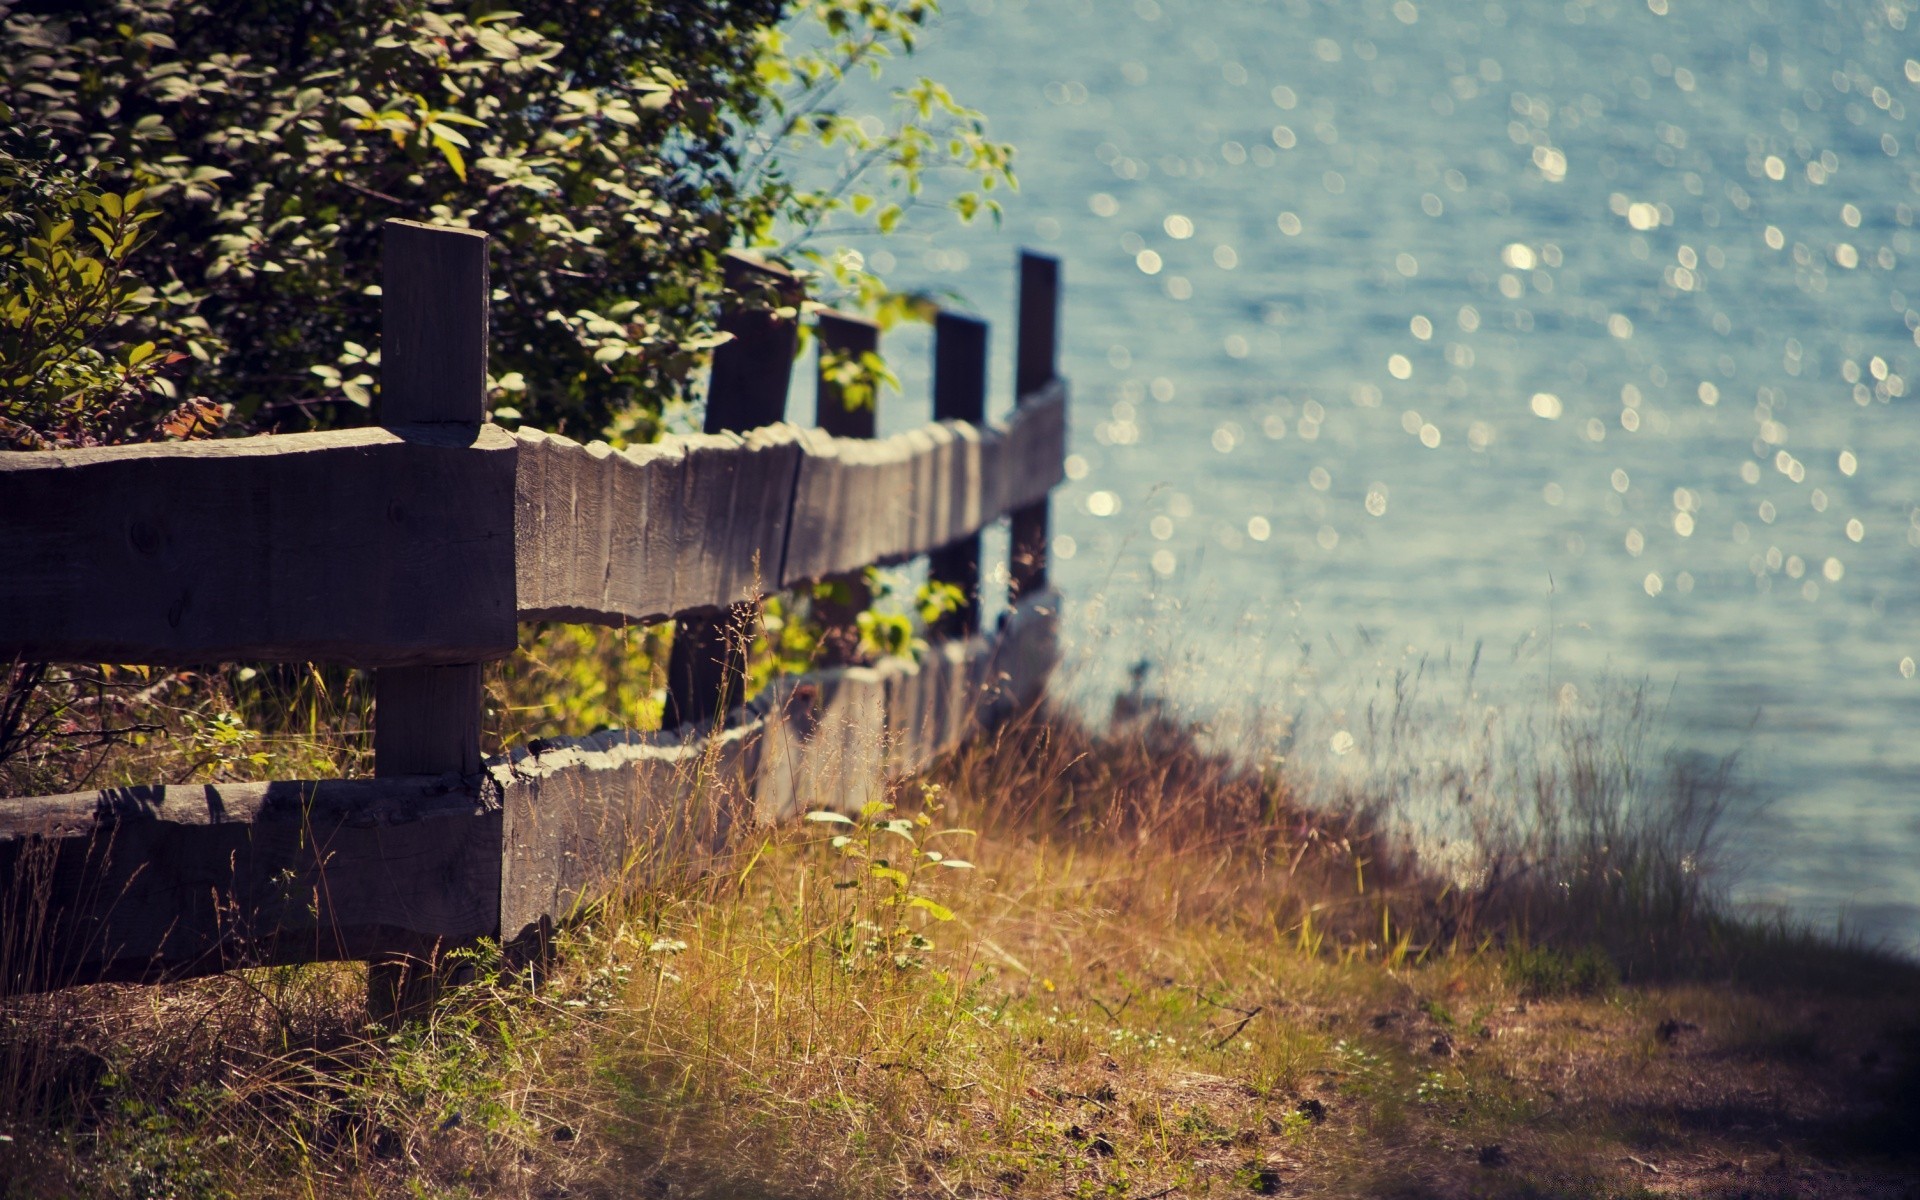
(934, 909)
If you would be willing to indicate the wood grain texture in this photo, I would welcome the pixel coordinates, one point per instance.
(433, 325)
(894, 498)
(1025, 653)
(747, 388)
(702, 521)
(585, 815)
(746, 392)
(838, 607)
(369, 547)
(426, 720)
(688, 523)
(146, 884)
(390, 548)
(433, 353)
(825, 744)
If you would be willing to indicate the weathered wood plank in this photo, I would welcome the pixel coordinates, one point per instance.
(426, 720)
(1025, 653)
(368, 547)
(748, 385)
(616, 537)
(585, 815)
(826, 743)
(433, 325)
(897, 497)
(703, 521)
(931, 703)
(388, 548)
(145, 884)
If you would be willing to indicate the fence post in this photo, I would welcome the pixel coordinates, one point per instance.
(1036, 356)
(433, 371)
(959, 394)
(706, 669)
(851, 337)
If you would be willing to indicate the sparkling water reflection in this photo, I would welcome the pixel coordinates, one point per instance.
(1583, 328)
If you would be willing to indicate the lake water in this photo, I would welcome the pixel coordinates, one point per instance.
(1580, 331)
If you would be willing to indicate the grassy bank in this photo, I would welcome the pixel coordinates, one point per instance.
(1157, 973)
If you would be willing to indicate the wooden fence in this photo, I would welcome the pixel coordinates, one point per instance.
(416, 548)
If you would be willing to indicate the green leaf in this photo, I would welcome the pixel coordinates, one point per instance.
(830, 818)
(891, 874)
(937, 911)
(453, 156)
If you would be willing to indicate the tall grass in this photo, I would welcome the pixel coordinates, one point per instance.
(1157, 905)
(1574, 823)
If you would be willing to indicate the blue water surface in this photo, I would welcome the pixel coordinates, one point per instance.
(1579, 332)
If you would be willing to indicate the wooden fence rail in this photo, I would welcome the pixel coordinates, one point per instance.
(416, 548)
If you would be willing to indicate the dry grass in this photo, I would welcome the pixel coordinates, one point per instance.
(1164, 975)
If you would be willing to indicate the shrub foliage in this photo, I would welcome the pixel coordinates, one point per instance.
(611, 150)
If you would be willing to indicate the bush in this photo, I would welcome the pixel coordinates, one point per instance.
(65, 291)
(611, 151)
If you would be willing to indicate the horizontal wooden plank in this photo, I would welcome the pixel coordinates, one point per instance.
(688, 523)
(825, 743)
(368, 546)
(152, 883)
(1026, 651)
(859, 502)
(377, 548)
(584, 815)
(696, 522)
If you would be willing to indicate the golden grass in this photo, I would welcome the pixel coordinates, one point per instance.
(1163, 976)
